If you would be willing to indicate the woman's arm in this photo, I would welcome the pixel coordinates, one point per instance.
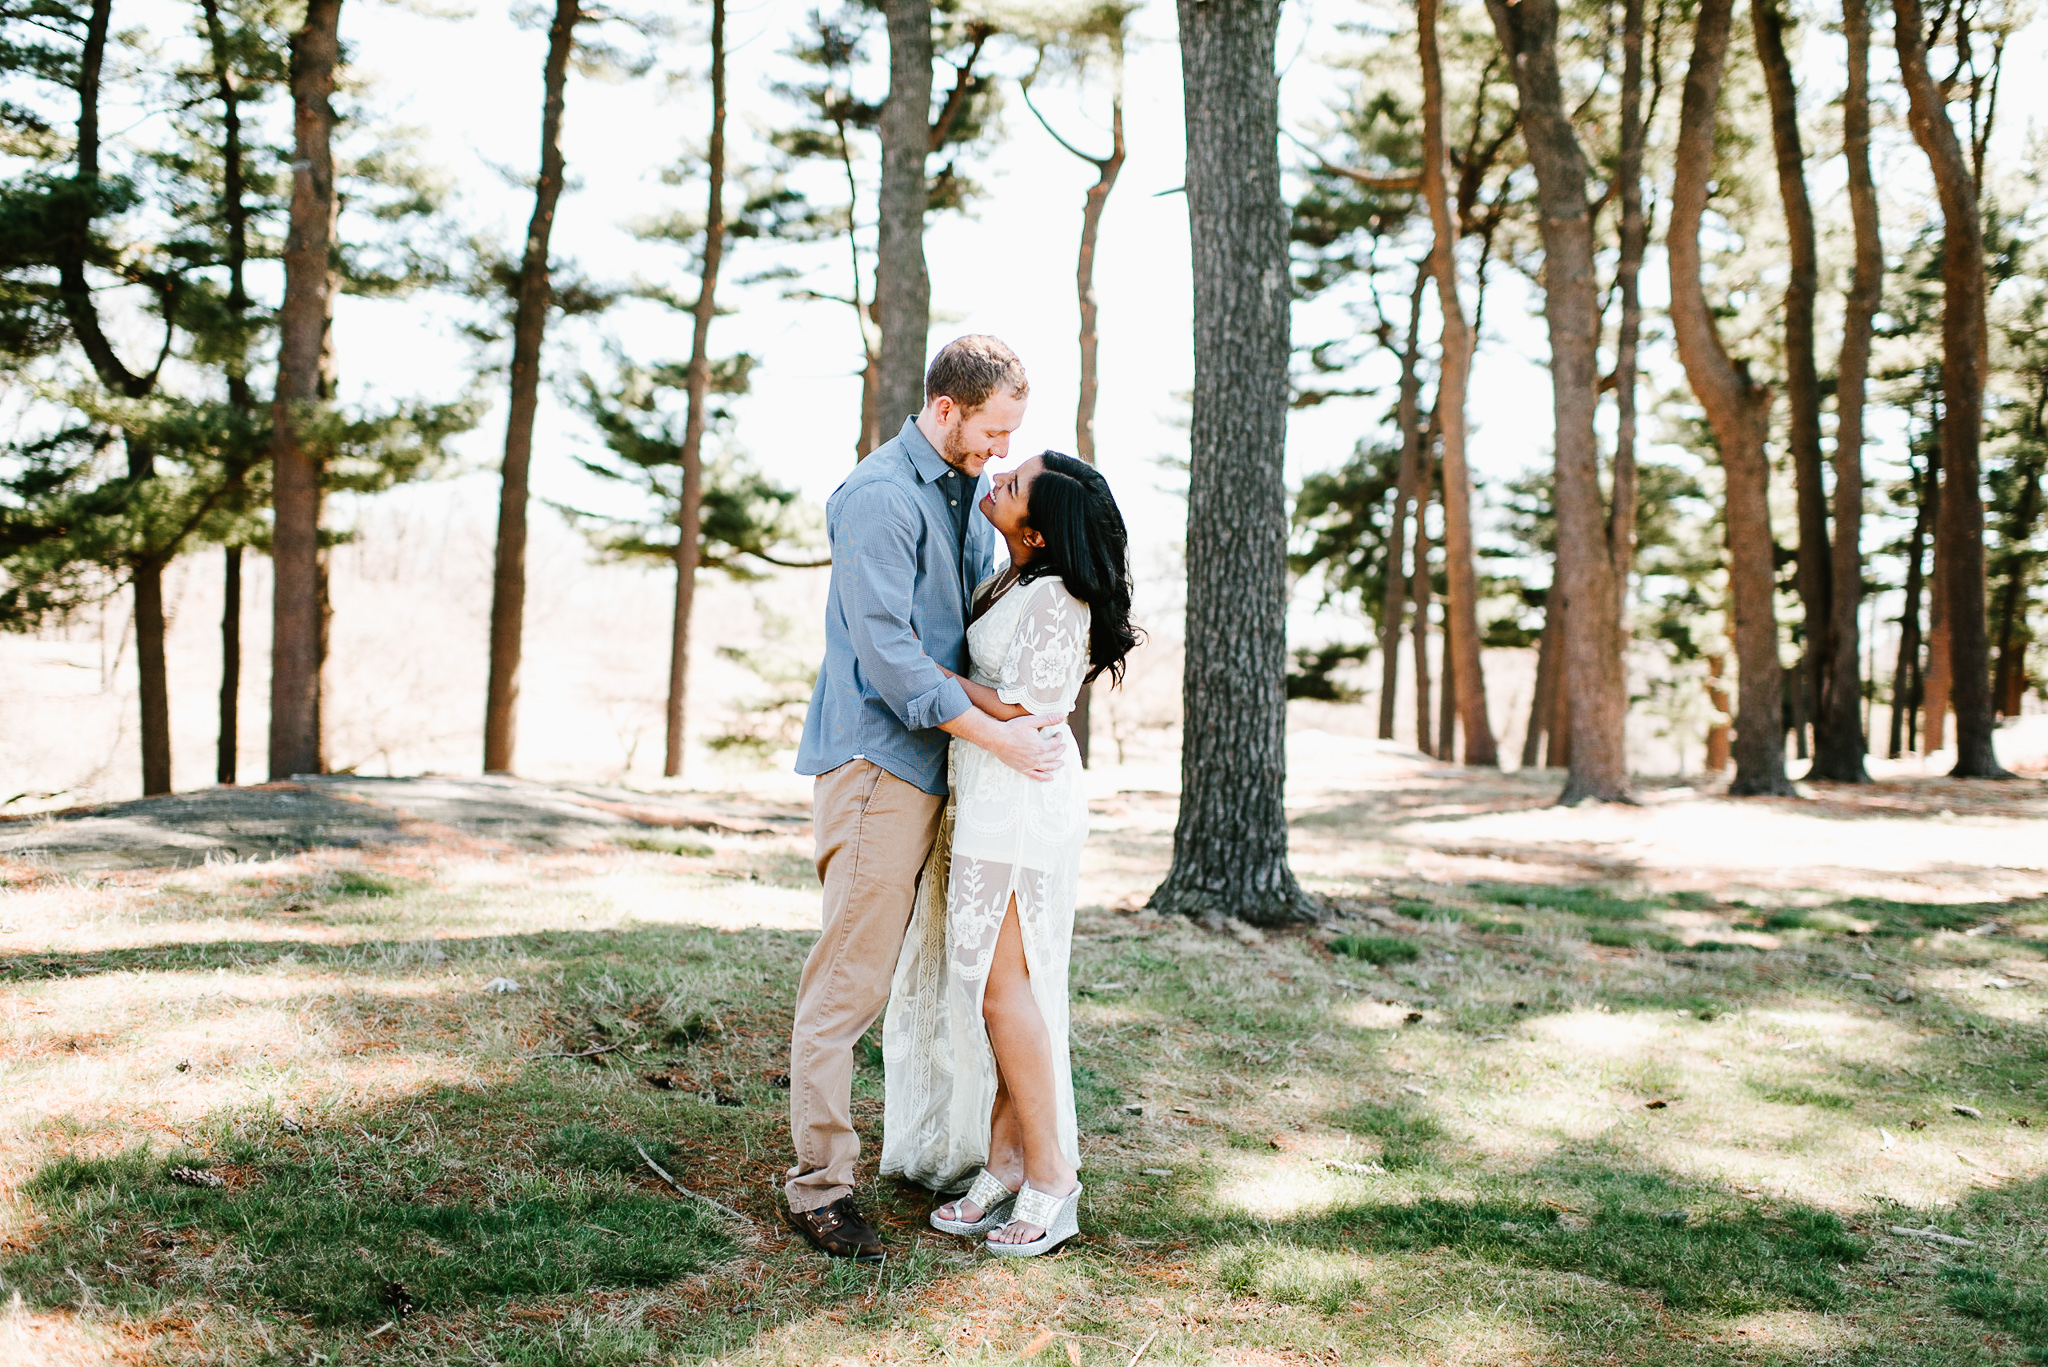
(985, 698)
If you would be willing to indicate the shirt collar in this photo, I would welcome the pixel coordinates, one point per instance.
(923, 457)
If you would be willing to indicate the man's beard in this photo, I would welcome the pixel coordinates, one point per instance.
(953, 450)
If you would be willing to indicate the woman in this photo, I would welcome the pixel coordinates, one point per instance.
(975, 1041)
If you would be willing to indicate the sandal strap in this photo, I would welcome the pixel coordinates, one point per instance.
(1035, 1207)
(988, 1191)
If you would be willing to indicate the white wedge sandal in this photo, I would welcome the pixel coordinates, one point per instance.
(991, 1195)
(1058, 1216)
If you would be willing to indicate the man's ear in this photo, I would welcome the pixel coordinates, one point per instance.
(942, 407)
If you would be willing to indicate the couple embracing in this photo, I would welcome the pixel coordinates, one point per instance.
(950, 814)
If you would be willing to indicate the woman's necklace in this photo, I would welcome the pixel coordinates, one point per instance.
(1003, 584)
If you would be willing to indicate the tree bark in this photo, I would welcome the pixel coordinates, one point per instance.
(1628, 270)
(1420, 590)
(1106, 171)
(1738, 411)
(230, 666)
(1447, 707)
(146, 576)
(1717, 729)
(2009, 687)
(1394, 598)
(1842, 742)
(1965, 342)
(903, 291)
(1541, 696)
(1464, 672)
(1558, 752)
(1935, 677)
(1230, 841)
(529, 329)
(302, 383)
(1906, 680)
(2011, 680)
(689, 508)
(1592, 638)
(1814, 567)
(235, 215)
(72, 247)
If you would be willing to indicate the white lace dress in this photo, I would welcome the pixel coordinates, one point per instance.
(1002, 834)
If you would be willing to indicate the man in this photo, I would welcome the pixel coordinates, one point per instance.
(907, 551)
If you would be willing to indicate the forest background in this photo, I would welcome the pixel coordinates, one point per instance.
(440, 110)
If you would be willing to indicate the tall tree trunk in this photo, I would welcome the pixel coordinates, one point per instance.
(72, 247)
(146, 575)
(235, 214)
(863, 311)
(1906, 681)
(529, 329)
(1558, 752)
(2011, 680)
(302, 383)
(1466, 678)
(1965, 342)
(1814, 567)
(1738, 411)
(903, 289)
(1936, 679)
(1541, 697)
(1106, 171)
(2009, 687)
(1586, 580)
(1420, 590)
(1628, 270)
(1717, 729)
(1394, 598)
(1230, 841)
(690, 507)
(1447, 707)
(230, 666)
(1842, 741)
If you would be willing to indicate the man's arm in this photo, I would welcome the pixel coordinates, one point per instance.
(986, 700)
(874, 553)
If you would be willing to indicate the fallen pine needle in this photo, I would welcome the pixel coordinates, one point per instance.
(587, 1053)
(694, 1196)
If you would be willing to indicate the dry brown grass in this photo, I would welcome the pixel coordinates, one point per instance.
(1515, 1216)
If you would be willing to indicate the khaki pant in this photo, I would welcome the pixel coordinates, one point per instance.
(874, 833)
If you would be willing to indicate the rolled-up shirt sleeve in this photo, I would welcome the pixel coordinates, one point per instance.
(874, 549)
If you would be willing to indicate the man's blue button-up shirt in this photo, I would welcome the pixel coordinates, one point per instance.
(902, 574)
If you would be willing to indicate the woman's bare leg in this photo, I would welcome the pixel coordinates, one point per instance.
(1023, 1052)
(1005, 1155)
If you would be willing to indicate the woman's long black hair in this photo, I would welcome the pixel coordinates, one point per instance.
(1087, 547)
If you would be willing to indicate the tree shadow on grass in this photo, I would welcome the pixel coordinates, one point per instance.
(293, 1235)
(627, 944)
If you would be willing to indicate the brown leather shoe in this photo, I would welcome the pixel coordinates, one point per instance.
(838, 1230)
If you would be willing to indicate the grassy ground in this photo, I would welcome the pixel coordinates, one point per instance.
(274, 1113)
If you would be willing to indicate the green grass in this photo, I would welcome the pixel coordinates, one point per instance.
(1982, 1294)
(329, 1227)
(1327, 1181)
(1593, 903)
(1379, 950)
(667, 843)
(1616, 938)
